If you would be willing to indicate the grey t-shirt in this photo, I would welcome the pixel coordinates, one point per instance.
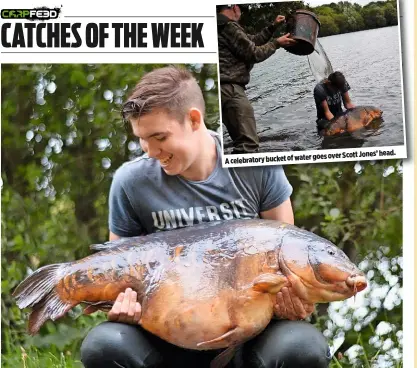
(333, 98)
(143, 199)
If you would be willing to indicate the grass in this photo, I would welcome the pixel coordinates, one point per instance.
(35, 358)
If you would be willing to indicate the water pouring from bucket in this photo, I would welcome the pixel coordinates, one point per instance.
(304, 27)
(319, 63)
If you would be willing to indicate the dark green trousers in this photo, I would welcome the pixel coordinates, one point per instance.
(239, 119)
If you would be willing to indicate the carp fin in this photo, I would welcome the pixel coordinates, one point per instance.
(104, 246)
(115, 243)
(221, 360)
(269, 283)
(94, 307)
(212, 344)
(52, 307)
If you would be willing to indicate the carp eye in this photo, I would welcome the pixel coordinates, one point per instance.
(331, 252)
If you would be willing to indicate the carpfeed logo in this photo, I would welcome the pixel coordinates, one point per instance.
(42, 13)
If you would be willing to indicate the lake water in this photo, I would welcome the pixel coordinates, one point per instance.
(281, 93)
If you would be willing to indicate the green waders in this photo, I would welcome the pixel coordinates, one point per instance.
(239, 119)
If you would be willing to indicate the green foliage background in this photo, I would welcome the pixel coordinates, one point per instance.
(335, 18)
(62, 139)
(346, 17)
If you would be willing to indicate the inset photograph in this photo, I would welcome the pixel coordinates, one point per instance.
(310, 75)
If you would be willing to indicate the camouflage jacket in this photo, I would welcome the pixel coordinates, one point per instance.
(238, 51)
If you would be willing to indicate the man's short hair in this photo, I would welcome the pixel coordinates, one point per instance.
(171, 89)
(337, 79)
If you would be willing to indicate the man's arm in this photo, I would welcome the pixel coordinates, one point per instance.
(327, 113)
(282, 213)
(123, 215)
(288, 305)
(126, 308)
(124, 220)
(113, 236)
(346, 101)
(320, 97)
(265, 35)
(246, 50)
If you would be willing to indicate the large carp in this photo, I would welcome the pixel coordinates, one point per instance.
(351, 120)
(208, 286)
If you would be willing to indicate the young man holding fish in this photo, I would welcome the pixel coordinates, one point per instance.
(180, 182)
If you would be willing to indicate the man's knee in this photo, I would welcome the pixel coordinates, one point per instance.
(101, 343)
(117, 344)
(288, 344)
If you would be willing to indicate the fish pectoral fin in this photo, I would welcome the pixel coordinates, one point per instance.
(212, 344)
(104, 306)
(223, 358)
(269, 283)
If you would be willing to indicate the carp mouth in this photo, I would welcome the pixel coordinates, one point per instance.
(342, 289)
(350, 286)
(356, 283)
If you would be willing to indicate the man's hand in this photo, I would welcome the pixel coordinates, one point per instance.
(279, 19)
(285, 40)
(290, 306)
(329, 116)
(347, 102)
(126, 308)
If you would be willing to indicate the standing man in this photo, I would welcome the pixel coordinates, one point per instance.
(238, 52)
(328, 95)
(180, 181)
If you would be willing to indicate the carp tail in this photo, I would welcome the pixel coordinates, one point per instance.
(38, 292)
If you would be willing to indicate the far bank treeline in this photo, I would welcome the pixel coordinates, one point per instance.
(335, 18)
